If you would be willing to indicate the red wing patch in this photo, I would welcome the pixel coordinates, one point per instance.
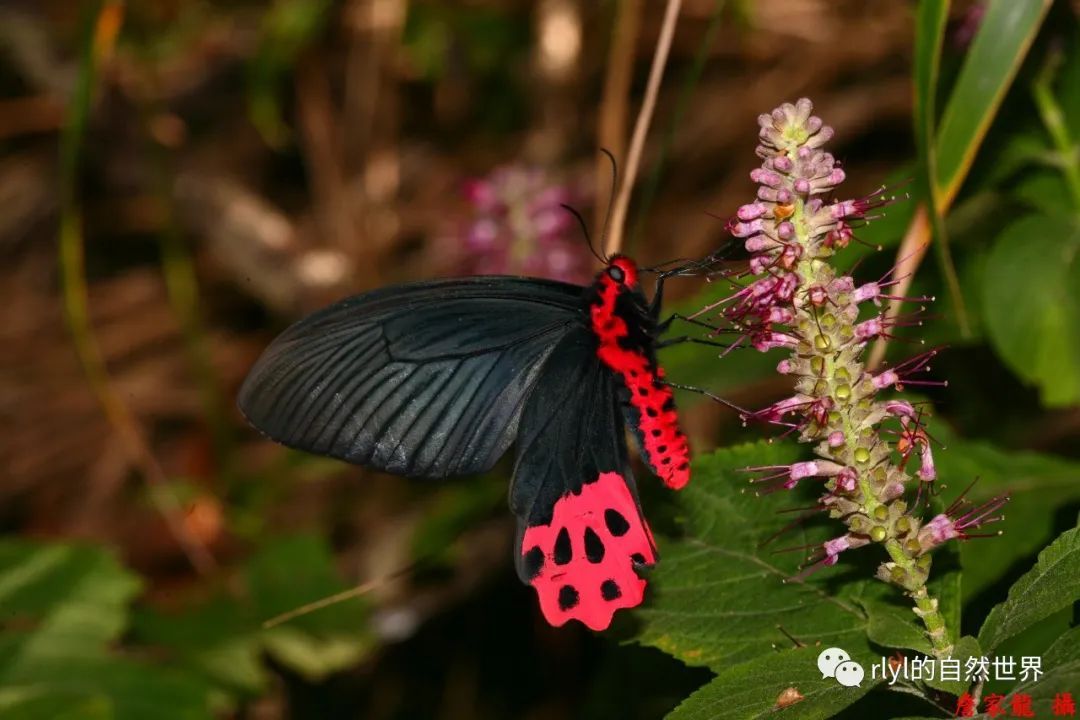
(583, 564)
(665, 446)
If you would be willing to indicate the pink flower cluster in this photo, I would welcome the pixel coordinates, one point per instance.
(520, 227)
(793, 298)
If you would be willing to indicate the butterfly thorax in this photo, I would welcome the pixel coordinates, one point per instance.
(625, 330)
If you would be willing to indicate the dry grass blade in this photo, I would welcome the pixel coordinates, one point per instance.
(641, 128)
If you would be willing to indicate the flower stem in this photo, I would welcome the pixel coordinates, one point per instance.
(926, 607)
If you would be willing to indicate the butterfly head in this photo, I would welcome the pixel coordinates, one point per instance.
(621, 272)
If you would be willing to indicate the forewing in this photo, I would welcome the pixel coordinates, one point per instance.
(426, 379)
(581, 534)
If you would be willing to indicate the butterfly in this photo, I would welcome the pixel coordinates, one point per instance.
(437, 379)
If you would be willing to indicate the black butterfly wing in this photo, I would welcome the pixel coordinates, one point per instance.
(581, 534)
(425, 379)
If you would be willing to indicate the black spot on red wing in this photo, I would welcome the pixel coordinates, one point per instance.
(665, 461)
(643, 391)
(657, 433)
(609, 590)
(534, 562)
(651, 412)
(684, 466)
(594, 546)
(638, 559)
(563, 553)
(662, 449)
(616, 523)
(568, 597)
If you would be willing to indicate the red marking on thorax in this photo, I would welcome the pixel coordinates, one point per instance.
(666, 449)
(589, 573)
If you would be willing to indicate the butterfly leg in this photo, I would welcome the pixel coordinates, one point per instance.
(710, 395)
(686, 338)
(666, 324)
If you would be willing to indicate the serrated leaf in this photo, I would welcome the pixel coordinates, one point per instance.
(1064, 678)
(65, 606)
(1065, 649)
(1053, 583)
(718, 597)
(891, 625)
(1031, 303)
(751, 690)
(72, 601)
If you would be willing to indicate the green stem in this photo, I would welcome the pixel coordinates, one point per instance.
(926, 607)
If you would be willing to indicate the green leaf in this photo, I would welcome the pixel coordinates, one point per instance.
(719, 597)
(1005, 34)
(1065, 649)
(1031, 304)
(63, 607)
(892, 625)
(1053, 583)
(750, 690)
(218, 640)
(45, 702)
(1064, 678)
(290, 573)
(1045, 191)
(71, 601)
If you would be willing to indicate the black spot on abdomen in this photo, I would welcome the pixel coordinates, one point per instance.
(568, 597)
(609, 590)
(594, 546)
(616, 523)
(563, 553)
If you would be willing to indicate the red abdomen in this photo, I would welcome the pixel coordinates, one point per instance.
(653, 415)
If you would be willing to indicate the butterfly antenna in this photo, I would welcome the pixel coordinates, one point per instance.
(585, 230)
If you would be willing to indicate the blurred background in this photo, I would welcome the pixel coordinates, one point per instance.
(181, 179)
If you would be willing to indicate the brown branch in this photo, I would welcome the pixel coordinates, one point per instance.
(641, 127)
(611, 124)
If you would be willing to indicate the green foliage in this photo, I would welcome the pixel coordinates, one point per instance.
(1053, 583)
(1060, 677)
(751, 689)
(1031, 300)
(1005, 33)
(64, 607)
(720, 597)
(67, 611)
